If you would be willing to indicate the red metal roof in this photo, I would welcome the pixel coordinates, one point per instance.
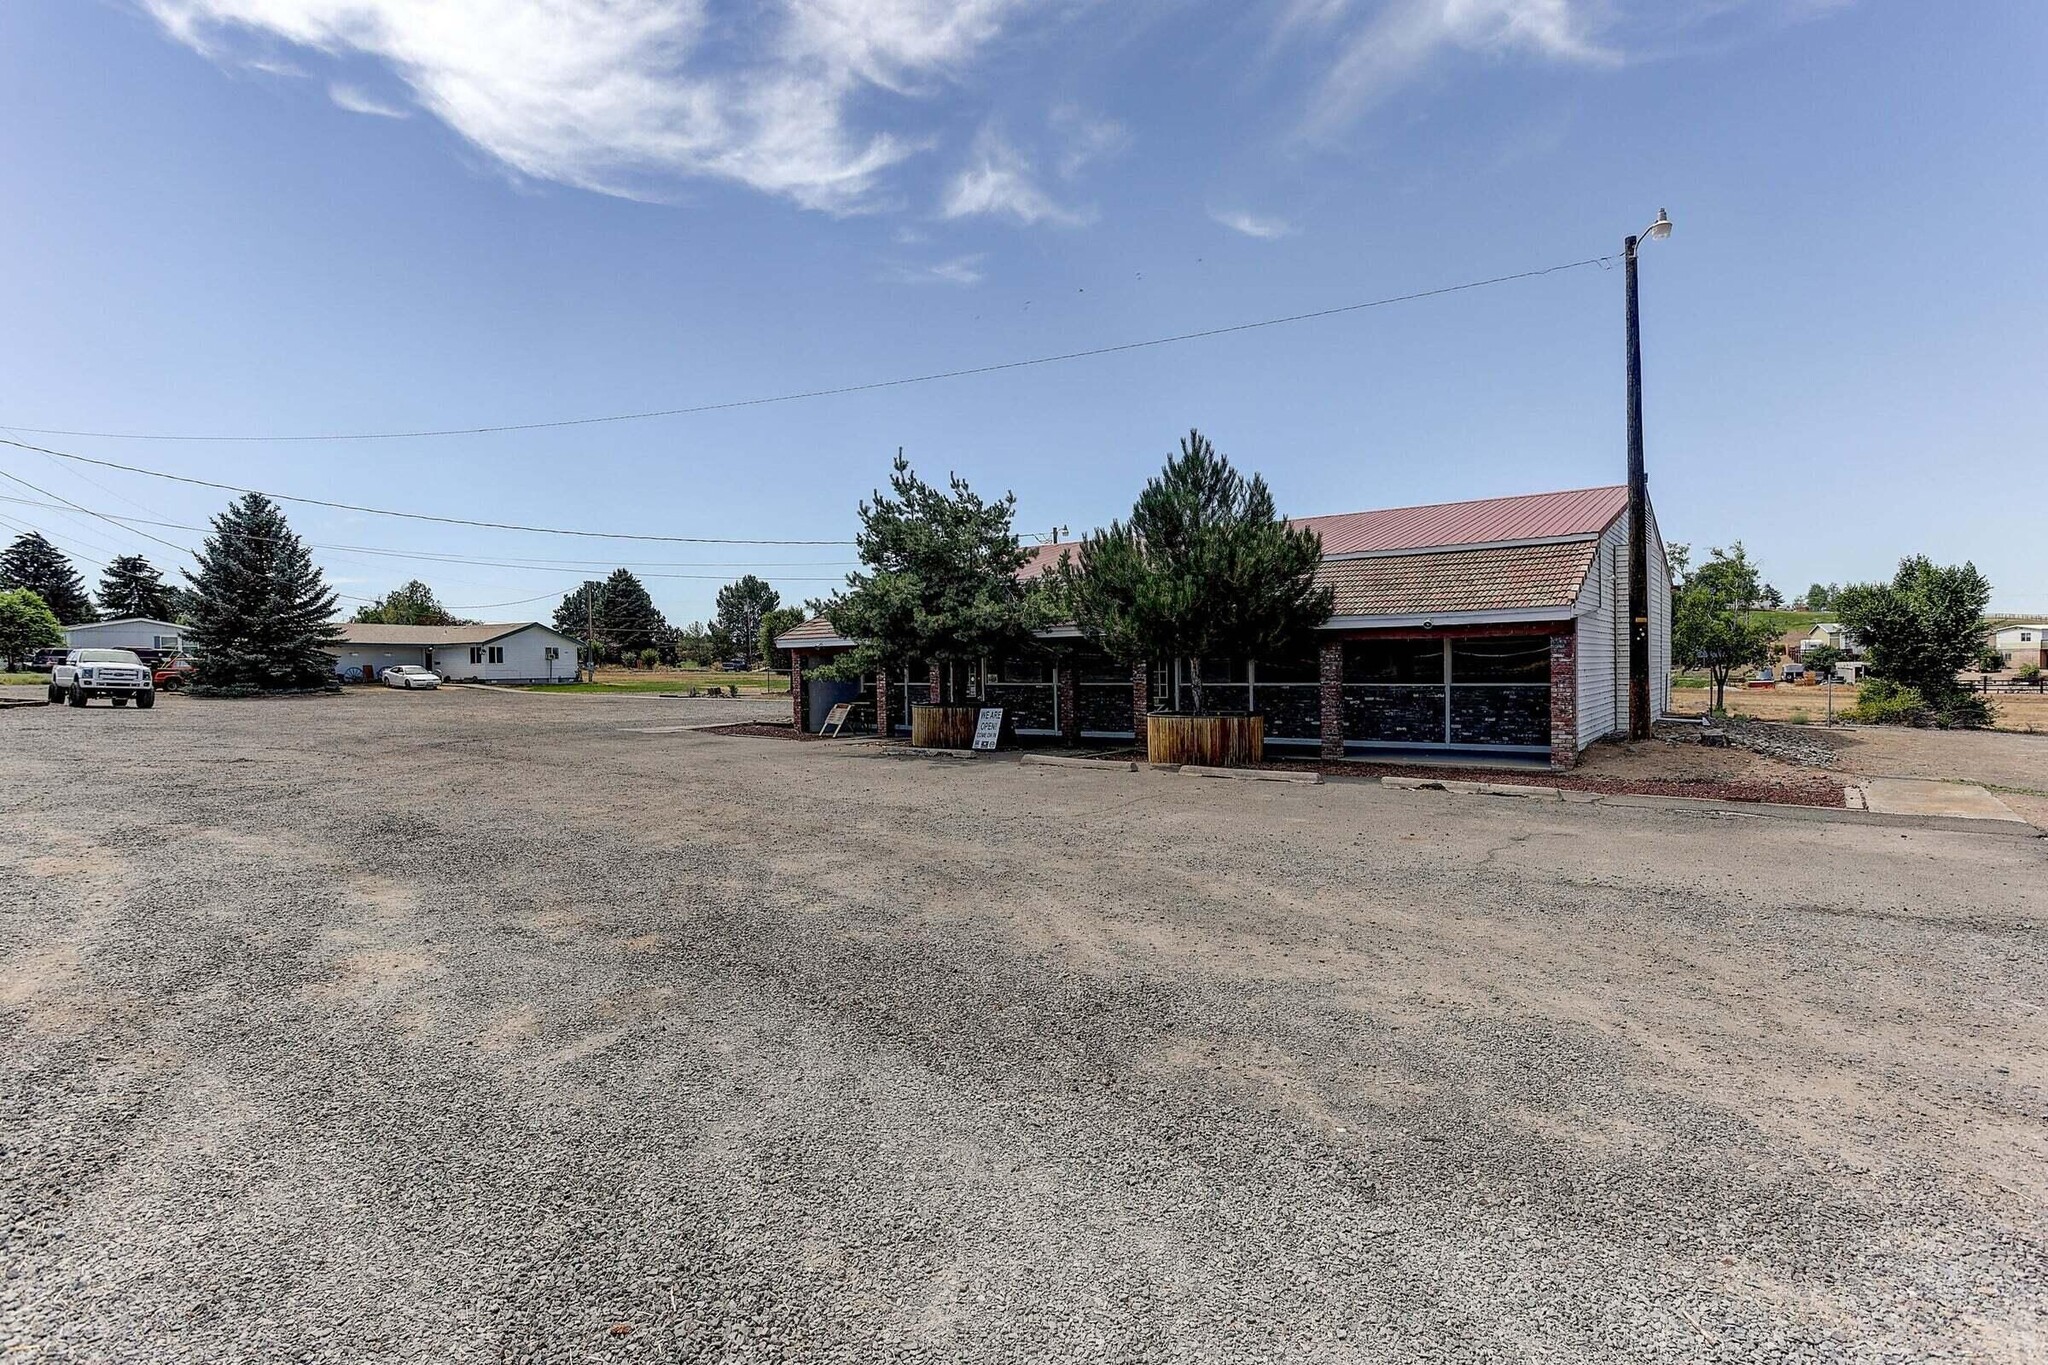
(1532, 516)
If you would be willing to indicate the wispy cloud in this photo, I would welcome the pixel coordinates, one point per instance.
(998, 181)
(1378, 47)
(1088, 138)
(960, 270)
(1252, 224)
(610, 95)
(360, 102)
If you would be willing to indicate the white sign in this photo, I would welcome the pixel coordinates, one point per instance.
(988, 727)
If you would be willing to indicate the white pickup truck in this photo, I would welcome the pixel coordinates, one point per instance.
(115, 673)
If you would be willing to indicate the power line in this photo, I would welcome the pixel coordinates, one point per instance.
(441, 557)
(388, 512)
(838, 390)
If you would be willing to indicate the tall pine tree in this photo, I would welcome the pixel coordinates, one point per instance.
(131, 586)
(258, 605)
(627, 618)
(35, 564)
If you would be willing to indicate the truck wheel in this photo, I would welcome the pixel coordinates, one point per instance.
(77, 697)
(56, 692)
(144, 700)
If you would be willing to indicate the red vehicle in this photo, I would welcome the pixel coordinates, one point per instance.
(172, 674)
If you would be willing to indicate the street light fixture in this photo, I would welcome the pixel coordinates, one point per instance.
(1638, 501)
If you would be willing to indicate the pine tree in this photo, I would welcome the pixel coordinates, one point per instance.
(627, 619)
(1205, 569)
(131, 586)
(741, 605)
(33, 563)
(259, 606)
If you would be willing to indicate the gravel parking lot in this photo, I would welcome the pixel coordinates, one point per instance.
(480, 1027)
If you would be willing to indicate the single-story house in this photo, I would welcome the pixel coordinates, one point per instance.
(2020, 646)
(1828, 634)
(1494, 627)
(127, 632)
(508, 652)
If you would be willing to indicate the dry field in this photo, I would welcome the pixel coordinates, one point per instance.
(2024, 713)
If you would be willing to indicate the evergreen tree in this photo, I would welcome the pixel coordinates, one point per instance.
(131, 586)
(33, 563)
(774, 623)
(941, 581)
(627, 617)
(741, 605)
(26, 625)
(259, 607)
(577, 618)
(1204, 569)
(413, 604)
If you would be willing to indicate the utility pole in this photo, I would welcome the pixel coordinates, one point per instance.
(1638, 503)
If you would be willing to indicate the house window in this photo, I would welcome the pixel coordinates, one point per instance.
(497, 654)
(553, 653)
(2026, 636)
(476, 656)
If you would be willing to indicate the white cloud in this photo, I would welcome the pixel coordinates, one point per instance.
(998, 181)
(360, 102)
(612, 95)
(1088, 138)
(964, 271)
(1253, 225)
(1379, 49)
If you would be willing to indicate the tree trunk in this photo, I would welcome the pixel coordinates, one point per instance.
(1195, 680)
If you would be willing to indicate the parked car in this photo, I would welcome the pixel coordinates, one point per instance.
(410, 676)
(116, 674)
(172, 673)
(735, 665)
(43, 660)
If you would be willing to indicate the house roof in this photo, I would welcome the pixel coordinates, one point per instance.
(1441, 582)
(127, 621)
(424, 637)
(1513, 554)
(1484, 521)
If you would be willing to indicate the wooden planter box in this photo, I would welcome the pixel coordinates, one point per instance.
(943, 727)
(1228, 741)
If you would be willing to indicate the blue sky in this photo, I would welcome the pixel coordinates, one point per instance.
(265, 216)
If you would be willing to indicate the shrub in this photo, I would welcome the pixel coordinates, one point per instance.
(1799, 718)
(1883, 702)
(649, 658)
(2030, 674)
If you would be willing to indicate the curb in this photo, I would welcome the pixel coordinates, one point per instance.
(1102, 765)
(1445, 784)
(1251, 775)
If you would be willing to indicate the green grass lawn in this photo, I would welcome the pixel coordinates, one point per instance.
(672, 680)
(24, 679)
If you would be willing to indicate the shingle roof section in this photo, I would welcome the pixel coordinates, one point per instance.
(810, 632)
(365, 633)
(1532, 516)
(1502, 578)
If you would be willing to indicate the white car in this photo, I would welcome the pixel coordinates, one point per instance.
(119, 674)
(410, 676)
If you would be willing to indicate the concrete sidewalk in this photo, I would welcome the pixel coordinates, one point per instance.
(1931, 796)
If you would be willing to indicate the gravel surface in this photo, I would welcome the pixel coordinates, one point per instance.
(468, 1027)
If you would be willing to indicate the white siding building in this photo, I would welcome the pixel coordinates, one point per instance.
(515, 652)
(127, 632)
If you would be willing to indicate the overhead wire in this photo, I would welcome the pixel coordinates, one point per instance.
(838, 390)
(409, 516)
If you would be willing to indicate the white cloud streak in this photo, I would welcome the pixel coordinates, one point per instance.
(360, 102)
(964, 271)
(998, 182)
(618, 95)
(1378, 48)
(1253, 225)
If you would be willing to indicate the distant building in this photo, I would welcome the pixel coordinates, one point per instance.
(2021, 646)
(513, 652)
(127, 632)
(1829, 635)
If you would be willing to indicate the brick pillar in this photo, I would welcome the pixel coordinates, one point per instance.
(882, 726)
(1069, 687)
(1141, 698)
(1331, 679)
(796, 689)
(1564, 700)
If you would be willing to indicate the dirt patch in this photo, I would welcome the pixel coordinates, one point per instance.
(763, 729)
